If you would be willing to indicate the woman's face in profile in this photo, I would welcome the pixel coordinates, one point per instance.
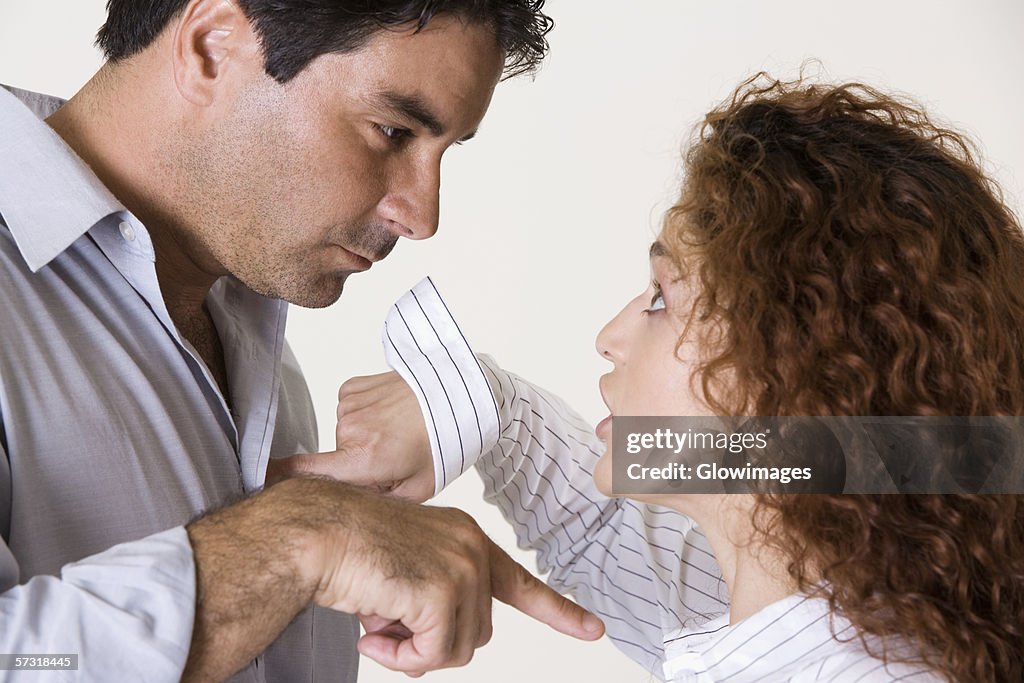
(651, 376)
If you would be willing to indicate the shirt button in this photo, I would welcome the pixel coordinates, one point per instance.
(127, 231)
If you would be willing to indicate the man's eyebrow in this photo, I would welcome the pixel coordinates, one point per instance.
(658, 249)
(413, 107)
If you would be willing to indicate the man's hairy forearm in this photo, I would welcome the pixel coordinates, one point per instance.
(430, 570)
(250, 578)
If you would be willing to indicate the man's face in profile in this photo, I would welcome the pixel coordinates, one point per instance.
(296, 186)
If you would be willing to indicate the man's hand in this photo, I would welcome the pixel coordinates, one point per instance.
(421, 580)
(381, 442)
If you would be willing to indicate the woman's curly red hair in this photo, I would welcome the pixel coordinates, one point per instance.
(857, 261)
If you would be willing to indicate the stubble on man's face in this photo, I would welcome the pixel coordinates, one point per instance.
(259, 219)
(287, 188)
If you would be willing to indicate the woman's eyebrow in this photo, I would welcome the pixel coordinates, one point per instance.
(658, 249)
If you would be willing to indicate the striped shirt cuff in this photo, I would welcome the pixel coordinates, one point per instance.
(424, 344)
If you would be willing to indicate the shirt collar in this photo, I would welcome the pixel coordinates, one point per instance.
(49, 197)
(768, 645)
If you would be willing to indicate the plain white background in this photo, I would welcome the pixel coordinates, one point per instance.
(547, 215)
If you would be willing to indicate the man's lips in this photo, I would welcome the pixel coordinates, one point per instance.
(361, 262)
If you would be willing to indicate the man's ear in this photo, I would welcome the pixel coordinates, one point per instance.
(212, 37)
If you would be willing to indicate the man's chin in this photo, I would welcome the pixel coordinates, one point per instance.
(319, 293)
(320, 296)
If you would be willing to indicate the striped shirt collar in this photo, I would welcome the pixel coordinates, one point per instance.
(770, 645)
(49, 197)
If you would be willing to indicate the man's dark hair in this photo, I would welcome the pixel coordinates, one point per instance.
(295, 32)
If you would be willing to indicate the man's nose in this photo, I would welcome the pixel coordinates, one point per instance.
(413, 204)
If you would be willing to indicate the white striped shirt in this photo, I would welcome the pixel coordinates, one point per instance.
(649, 573)
(795, 640)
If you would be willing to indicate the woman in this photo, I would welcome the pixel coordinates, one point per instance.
(835, 253)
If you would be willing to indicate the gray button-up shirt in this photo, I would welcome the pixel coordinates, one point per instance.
(114, 434)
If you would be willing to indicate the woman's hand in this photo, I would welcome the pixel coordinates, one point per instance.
(381, 442)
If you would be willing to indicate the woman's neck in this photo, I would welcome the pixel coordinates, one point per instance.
(755, 573)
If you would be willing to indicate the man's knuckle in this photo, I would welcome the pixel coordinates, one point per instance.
(525, 581)
(566, 608)
(464, 568)
(464, 524)
(472, 543)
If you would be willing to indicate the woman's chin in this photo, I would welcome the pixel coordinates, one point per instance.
(603, 473)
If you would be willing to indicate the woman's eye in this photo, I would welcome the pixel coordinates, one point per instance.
(657, 301)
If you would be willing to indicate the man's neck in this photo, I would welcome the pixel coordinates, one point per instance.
(126, 146)
(119, 128)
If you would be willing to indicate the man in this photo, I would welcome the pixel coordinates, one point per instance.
(228, 158)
